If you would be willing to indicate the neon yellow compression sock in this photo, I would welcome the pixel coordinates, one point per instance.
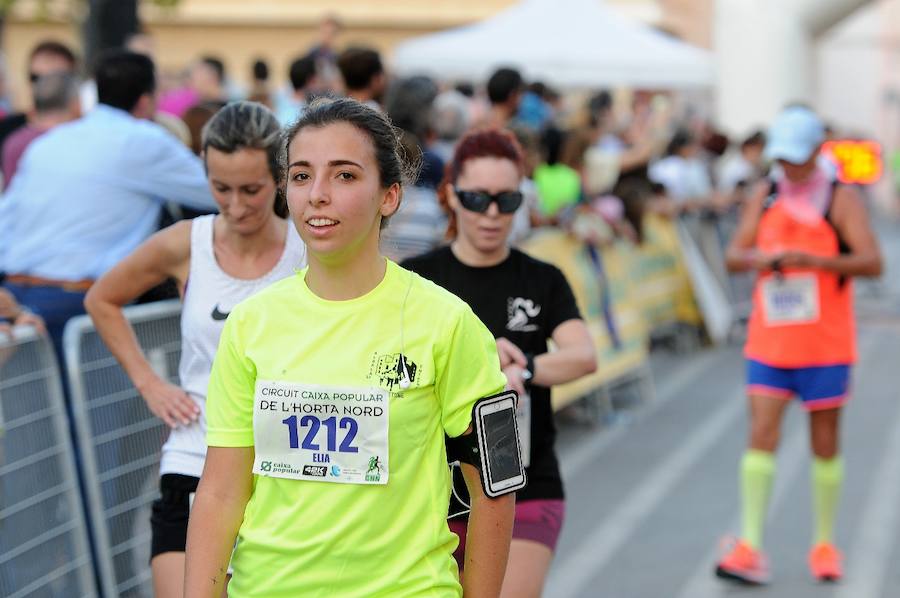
(827, 479)
(757, 473)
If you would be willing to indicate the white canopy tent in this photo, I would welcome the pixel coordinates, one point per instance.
(566, 43)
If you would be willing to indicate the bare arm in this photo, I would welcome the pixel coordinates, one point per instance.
(487, 539)
(852, 221)
(16, 315)
(165, 254)
(216, 517)
(573, 358)
(742, 254)
(638, 155)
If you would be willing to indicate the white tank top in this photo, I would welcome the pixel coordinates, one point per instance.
(209, 295)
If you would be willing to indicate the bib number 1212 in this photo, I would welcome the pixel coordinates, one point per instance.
(331, 424)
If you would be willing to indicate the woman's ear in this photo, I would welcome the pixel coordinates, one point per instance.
(452, 200)
(391, 201)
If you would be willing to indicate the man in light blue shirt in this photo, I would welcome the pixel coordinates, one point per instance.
(89, 192)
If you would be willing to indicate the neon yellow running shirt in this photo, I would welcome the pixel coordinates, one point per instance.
(317, 537)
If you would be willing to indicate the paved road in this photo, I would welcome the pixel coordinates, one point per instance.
(650, 497)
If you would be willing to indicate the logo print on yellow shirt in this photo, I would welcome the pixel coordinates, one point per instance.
(386, 370)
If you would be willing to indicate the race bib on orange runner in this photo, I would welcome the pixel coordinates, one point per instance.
(321, 433)
(791, 299)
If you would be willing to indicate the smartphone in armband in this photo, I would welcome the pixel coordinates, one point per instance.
(502, 470)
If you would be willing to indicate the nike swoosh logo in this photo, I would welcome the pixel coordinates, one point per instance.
(217, 315)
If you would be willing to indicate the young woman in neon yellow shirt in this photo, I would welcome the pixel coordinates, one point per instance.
(330, 396)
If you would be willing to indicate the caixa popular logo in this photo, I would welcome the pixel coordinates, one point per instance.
(335, 471)
(318, 471)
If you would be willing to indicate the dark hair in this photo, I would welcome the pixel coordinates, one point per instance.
(216, 65)
(301, 72)
(465, 88)
(56, 48)
(260, 70)
(599, 106)
(54, 92)
(247, 125)
(716, 143)
(359, 66)
(503, 84)
(395, 165)
(196, 118)
(600, 102)
(635, 192)
(552, 141)
(484, 143)
(757, 138)
(680, 140)
(123, 77)
(538, 88)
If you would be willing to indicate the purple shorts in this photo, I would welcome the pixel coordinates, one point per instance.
(536, 520)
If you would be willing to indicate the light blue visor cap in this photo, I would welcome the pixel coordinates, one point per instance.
(794, 135)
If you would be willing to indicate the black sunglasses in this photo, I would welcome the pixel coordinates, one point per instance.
(479, 201)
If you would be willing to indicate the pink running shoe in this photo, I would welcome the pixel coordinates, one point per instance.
(741, 563)
(825, 562)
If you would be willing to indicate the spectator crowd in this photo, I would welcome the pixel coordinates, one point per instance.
(99, 162)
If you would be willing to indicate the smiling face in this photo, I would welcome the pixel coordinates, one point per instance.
(484, 232)
(334, 192)
(242, 186)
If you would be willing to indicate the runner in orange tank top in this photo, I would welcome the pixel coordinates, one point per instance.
(806, 236)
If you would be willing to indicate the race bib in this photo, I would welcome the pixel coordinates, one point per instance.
(321, 433)
(523, 421)
(792, 299)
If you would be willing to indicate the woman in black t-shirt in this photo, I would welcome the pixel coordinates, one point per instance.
(524, 302)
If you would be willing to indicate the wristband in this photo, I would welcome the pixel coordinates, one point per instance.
(528, 372)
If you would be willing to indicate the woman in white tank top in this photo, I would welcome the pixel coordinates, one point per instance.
(217, 261)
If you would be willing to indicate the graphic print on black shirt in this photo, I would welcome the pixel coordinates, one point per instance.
(523, 300)
(521, 313)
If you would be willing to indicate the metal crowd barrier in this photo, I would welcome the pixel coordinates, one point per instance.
(120, 441)
(740, 284)
(44, 549)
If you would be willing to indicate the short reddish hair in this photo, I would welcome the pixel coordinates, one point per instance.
(482, 143)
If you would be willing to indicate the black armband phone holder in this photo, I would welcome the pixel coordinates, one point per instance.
(493, 445)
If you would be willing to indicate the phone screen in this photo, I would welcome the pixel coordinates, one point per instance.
(500, 438)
